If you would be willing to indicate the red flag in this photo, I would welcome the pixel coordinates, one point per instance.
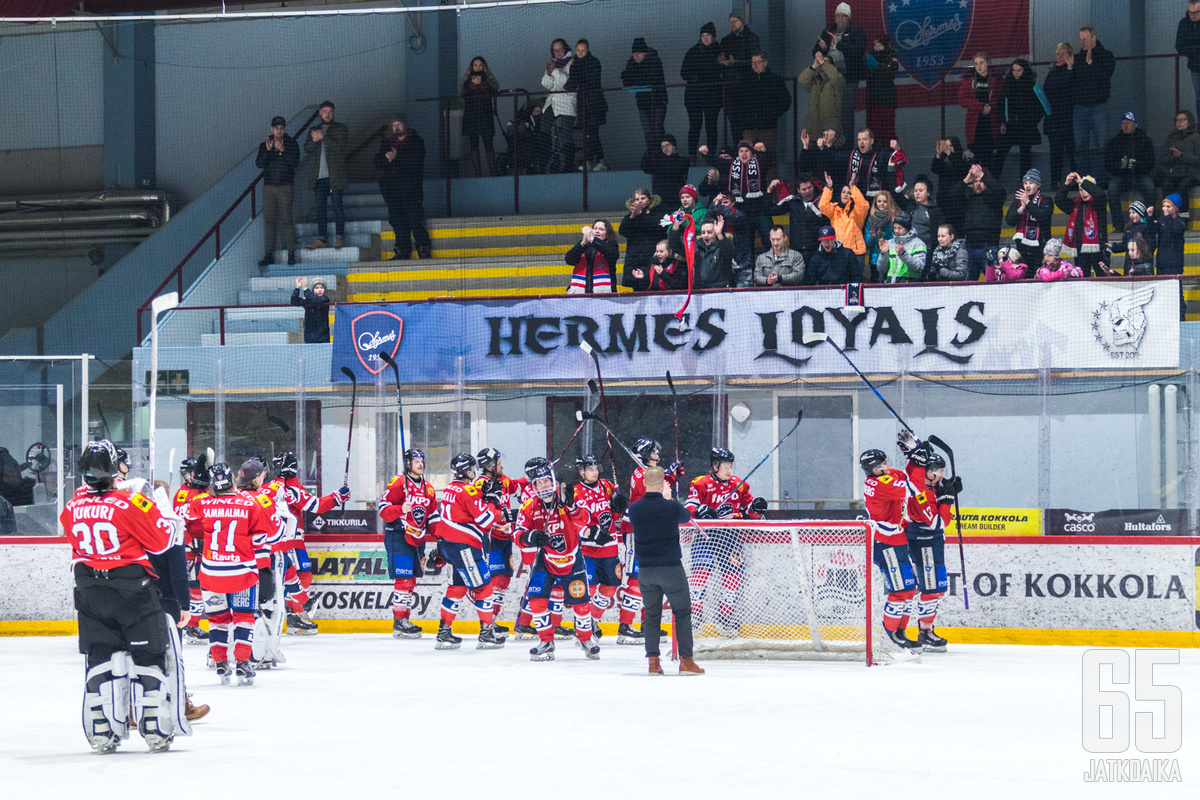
(689, 252)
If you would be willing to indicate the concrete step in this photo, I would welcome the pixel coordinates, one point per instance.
(254, 339)
(329, 255)
(309, 229)
(293, 271)
(287, 283)
(251, 320)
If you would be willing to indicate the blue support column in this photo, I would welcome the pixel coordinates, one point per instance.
(129, 107)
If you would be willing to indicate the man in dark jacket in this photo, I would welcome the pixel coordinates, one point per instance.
(981, 198)
(1030, 215)
(852, 45)
(401, 165)
(1187, 43)
(764, 99)
(713, 262)
(668, 170)
(277, 158)
(739, 229)
(590, 102)
(805, 220)
(656, 519)
(316, 310)
(703, 96)
(1093, 68)
(643, 75)
(1129, 160)
(327, 142)
(736, 50)
(832, 264)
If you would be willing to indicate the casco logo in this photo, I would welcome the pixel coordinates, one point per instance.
(1069, 517)
(375, 332)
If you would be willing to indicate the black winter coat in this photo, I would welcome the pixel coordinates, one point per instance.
(648, 73)
(641, 233)
(1125, 148)
(701, 73)
(1040, 214)
(947, 263)
(834, 267)
(881, 79)
(804, 224)
(853, 47)
(1093, 82)
(950, 171)
(279, 169)
(1170, 246)
(1022, 110)
(585, 81)
(479, 103)
(741, 46)
(764, 99)
(713, 264)
(403, 178)
(982, 213)
(1058, 88)
(316, 315)
(1187, 42)
(667, 173)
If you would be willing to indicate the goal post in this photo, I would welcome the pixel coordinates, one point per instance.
(783, 589)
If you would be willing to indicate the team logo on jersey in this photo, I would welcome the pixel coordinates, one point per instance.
(725, 510)
(577, 589)
(418, 515)
(376, 332)
(557, 542)
(605, 520)
(929, 35)
(141, 502)
(1120, 325)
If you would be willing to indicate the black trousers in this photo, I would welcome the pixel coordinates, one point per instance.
(672, 582)
(119, 609)
(407, 218)
(702, 117)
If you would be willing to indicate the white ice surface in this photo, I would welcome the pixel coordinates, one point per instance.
(370, 716)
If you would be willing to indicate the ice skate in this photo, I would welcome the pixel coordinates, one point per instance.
(590, 649)
(501, 630)
(245, 673)
(930, 642)
(105, 743)
(563, 632)
(224, 672)
(524, 632)
(597, 634)
(900, 640)
(489, 639)
(195, 635)
(626, 634)
(543, 652)
(405, 629)
(446, 640)
(297, 625)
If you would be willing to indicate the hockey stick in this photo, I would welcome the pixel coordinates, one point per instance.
(350, 432)
(592, 401)
(799, 417)
(612, 460)
(171, 468)
(675, 409)
(585, 416)
(391, 362)
(817, 338)
(962, 559)
(278, 423)
(103, 421)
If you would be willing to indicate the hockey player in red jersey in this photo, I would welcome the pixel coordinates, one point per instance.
(297, 576)
(929, 511)
(464, 523)
(236, 529)
(409, 510)
(268, 625)
(886, 491)
(720, 495)
(498, 491)
(194, 475)
(554, 524)
(524, 627)
(121, 629)
(604, 505)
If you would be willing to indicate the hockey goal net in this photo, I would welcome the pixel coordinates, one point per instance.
(784, 589)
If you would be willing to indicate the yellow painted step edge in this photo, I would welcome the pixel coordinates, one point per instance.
(467, 274)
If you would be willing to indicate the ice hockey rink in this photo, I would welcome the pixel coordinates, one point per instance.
(365, 715)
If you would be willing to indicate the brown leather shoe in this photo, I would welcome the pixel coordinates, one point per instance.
(688, 666)
(194, 713)
(655, 668)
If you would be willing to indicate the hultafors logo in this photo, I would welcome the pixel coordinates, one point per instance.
(1159, 524)
(376, 332)
(1120, 325)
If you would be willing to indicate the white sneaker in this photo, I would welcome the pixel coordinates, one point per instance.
(600, 166)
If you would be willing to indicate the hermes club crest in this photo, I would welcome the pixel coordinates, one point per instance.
(376, 332)
(928, 35)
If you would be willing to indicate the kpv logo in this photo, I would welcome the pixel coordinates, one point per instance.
(929, 35)
(376, 332)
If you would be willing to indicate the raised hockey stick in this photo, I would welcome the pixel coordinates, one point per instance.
(278, 423)
(350, 431)
(592, 401)
(675, 410)
(612, 460)
(817, 338)
(585, 415)
(962, 559)
(799, 417)
(170, 468)
(391, 362)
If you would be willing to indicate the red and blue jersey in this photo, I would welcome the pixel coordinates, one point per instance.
(559, 555)
(421, 516)
(596, 499)
(885, 497)
(115, 529)
(922, 507)
(235, 529)
(463, 517)
(727, 499)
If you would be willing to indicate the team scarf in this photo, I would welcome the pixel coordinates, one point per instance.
(856, 165)
(1087, 238)
(689, 252)
(1028, 233)
(745, 180)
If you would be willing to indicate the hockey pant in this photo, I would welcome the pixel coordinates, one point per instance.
(543, 586)
(231, 623)
(404, 566)
(928, 550)
(471, 574)
(296, 579)
(899, 582)
(604, 578)
(268, 627)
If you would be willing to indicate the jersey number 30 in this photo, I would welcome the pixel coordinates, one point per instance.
(97, 539)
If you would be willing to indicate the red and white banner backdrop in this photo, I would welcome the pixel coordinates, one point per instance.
(935, 40)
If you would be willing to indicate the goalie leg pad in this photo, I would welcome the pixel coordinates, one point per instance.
(176, 684)
(106, 700)
(452, 603)
(152, 706)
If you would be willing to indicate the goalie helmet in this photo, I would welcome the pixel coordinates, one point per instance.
(541, 472)
(463, 466)
(870, 459)
(583, 462)
(98, 464)
(533, 464)
(220, 477)
(487, 458)
(719, 455)
(285, 464)
(646, 447)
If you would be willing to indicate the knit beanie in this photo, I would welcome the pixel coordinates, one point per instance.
(708, 28)
(1139, 207)
(1175, 200)
(1053, 247)
(1034, 175)
(690, 191)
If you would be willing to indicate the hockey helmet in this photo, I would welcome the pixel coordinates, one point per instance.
(870, 459)
(583, 462)
(719, 455)
(187, 468)
(98, 464)
(411, 455)
(463, 466)
(285, 464)
(546, 492)
(220, 477)
(487, 458)
(533, 464)
(934, 461)
(645, 448)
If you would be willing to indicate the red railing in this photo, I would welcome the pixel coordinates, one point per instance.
(213, 233)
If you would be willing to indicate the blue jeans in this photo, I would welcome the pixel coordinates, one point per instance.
(321, 192)
(1090, 121)
(977, 261)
